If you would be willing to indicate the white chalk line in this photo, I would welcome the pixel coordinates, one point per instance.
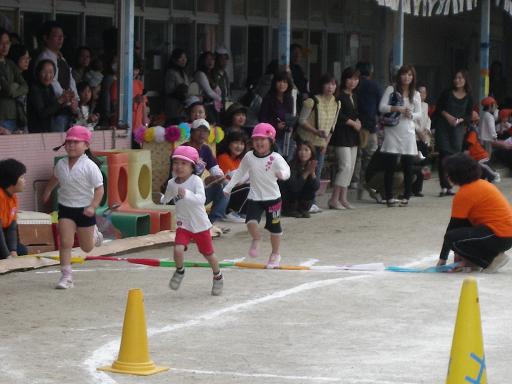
(106, 354)
(97, 270)
(271, 376)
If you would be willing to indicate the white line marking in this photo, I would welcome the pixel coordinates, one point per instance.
(272, 376)
(107, 353)
(309, 263)
(99, 270)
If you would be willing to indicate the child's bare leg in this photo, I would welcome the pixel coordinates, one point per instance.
(86, 238)
(275, 241)
(252, 227)
(179, 273)
(67, 230)
(214, 263)
(179, 256)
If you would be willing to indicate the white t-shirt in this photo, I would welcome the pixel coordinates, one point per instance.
(487, 127)
(190, 211)
(263, 175)
(77, 185)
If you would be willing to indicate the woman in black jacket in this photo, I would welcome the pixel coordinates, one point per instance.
(43, 106)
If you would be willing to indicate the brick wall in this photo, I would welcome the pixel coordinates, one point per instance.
(36, 152)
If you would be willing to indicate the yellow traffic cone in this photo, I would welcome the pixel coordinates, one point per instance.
(133, 355)
(467, 359)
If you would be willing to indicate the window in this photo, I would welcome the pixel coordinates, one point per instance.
(238, 51)
(257, 8)
(157, 3)
(334, 54)
(183, 5)
(183, 38)
(211, 6)
(207, 37)
(94, 27)
(300, 9)
(335, 11)
(238, 7)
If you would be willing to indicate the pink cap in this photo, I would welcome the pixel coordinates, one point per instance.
(264, 130)
(186, 153)
(78, 133)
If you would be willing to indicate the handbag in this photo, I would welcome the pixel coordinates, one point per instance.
(392, 119)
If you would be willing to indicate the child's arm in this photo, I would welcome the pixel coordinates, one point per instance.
(90, 211)
(281, 168)
(197, 196)
(170, 192)
(238, 176)
(52, 183)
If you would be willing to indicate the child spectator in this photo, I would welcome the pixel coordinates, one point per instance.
(264, 167)
(80, 193)
(235, 118)
(12, 181)
(487, 126)
(230, 153)
(187, 190)
(94, 77)
(300, 189)
(480, 228)
(87, 115)
(195, 109)
(477, 152)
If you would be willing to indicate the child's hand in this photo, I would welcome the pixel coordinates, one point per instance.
(181, 192)
(89, 211)
(441, 262)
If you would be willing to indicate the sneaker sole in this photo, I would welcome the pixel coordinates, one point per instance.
(498, 266)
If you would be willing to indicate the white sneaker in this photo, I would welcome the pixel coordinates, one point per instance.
(233, 217)
(98, 237)
(315, 209)
(497, 178)
(499, 262)
(175, 281)
(273, 261)
(217, 286)
(65, 282)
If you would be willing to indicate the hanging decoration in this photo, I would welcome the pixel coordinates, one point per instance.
(178, 134)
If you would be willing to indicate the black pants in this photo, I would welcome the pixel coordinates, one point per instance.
(504, 156)
(390, 162)
(479, 245)
(238, 199)
(417, 185)
(443, 180)
(8, 240)
(298, 200)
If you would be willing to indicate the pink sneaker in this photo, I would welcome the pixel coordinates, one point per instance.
(254, 250)
(273, 261)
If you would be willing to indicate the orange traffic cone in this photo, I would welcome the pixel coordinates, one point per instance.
(467, 359)
(133, 355)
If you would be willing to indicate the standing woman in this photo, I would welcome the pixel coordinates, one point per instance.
(453, 112)
(19, 55)
(345, 139)
(205, 78)
(278, 103)
(400, 138)
(317, 119)
(176, 85)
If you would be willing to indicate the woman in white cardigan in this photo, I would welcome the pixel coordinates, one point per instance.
(400, 139)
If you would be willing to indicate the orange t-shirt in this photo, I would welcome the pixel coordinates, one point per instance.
(228, 163)
(8, 208)
(482, 203)
(476, 151)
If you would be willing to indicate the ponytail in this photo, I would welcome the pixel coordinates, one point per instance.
(96, 161)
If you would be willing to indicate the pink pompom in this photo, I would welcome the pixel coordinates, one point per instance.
(172, 133)
(138, 134)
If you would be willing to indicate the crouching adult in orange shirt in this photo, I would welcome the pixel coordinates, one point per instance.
(480, 228)
(12, 180)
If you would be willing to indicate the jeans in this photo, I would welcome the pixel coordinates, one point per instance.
(8, 124)
(280, 142)
(215, 195)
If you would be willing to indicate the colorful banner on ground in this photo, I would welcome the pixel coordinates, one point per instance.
(440, 7)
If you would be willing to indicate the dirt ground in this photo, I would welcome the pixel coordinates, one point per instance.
(268, 326)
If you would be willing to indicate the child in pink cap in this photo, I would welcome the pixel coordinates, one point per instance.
(264, 167)
(80, 192)
(187, 191)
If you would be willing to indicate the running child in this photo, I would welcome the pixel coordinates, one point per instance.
(264, 167)
(80, 192)
(480, 228)
(187, 190)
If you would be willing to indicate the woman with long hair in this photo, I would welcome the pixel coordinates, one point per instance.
(345, 139)
(276, 105)
(403, 102)
(176, 85)
(204, 76)
(453, 113)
